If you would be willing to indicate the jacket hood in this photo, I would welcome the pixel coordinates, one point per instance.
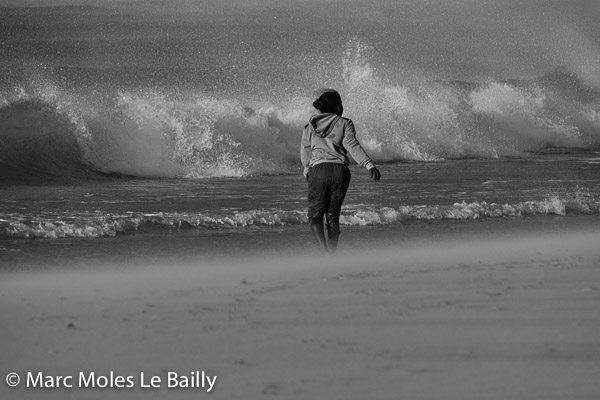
(322, 123)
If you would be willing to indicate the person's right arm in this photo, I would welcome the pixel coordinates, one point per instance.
(359, 155)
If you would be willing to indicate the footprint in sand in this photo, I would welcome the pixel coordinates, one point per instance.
(358, 275)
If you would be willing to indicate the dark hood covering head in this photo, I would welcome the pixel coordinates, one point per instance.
(318, 93)
(329, 101)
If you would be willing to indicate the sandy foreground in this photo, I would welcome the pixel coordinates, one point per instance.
(511, 319)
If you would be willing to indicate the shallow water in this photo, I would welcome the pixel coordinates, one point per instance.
(116, 219)
(462, 189)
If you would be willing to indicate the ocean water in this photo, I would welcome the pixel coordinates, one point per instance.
(127, 122)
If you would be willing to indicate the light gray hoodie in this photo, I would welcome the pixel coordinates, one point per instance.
(327, 138)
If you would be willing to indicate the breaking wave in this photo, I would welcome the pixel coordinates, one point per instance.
(429, 120)
(143, 135)
(47, 129)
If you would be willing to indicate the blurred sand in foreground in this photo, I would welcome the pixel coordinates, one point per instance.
(511, 319)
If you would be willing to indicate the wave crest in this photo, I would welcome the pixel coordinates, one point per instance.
(36, 140)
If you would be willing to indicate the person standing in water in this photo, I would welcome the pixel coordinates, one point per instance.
(326, 141)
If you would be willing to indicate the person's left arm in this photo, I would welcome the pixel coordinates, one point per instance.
(305, 150)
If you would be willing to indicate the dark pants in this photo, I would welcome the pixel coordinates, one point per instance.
(327, 187)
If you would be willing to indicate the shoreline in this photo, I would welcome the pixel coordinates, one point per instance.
(503, 316)
(158, 247)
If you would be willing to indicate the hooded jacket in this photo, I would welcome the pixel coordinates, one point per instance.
(328, 138)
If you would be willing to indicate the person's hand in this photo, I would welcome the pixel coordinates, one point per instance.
(375, 174)
(305, 172)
